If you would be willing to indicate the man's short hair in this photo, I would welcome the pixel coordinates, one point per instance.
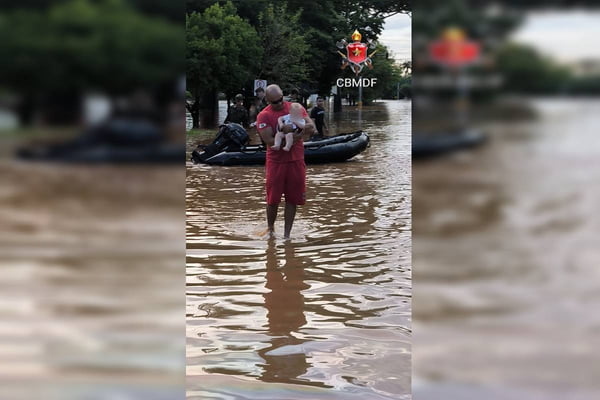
(295, 91)
(259, 90)
(320, 98)
(239, 97)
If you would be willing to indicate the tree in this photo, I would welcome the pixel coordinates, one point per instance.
(76, 46)
(298, 37)
(285, 50)
(165, 8)
(525, 70)
(406, 67)
(223, 53)
(322, 23)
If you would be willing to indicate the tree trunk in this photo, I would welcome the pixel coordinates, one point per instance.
(26, 110)
(337, 103)
(194, 110)
(209, 109)
(62, 108)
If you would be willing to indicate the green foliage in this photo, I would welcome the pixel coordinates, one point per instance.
(320, 23)
(526, 71)
(368, 16)
(473, 18)
(406, 90)
(85, 45)
(327, 21)
(246, 9)
(285, 49)
(169, 9)
(584, 85)
(223, 50)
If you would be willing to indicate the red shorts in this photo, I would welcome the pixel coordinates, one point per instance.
(286, 178)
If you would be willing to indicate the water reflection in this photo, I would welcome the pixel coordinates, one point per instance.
(284, 359)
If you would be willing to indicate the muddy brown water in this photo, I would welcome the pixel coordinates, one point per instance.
(92, 281)
(325, 315)
(506, 261)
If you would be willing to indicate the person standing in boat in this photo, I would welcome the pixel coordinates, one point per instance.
(237, 113)
(317, 114)
(285, 171)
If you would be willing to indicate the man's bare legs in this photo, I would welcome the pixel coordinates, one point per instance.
(271, 217)
(288, 216)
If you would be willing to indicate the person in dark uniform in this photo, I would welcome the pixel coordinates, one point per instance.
(317, 114)
(237, 113)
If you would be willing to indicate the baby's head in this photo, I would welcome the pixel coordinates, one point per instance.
(296, 110)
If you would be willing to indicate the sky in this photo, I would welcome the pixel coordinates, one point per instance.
(396, 36)
(566, 36)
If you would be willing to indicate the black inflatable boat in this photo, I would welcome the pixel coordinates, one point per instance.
(229, 148)
(115, 141)
(426, 146)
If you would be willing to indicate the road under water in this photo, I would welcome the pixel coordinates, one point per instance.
(91, 289)
(506, 261)
(325, 315)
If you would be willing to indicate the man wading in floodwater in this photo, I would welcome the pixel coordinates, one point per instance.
(285, 170)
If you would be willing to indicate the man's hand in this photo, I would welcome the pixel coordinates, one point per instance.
(309, 127)
(298, 135)
(287, 129)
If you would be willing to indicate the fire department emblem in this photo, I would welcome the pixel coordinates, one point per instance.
(356, 53)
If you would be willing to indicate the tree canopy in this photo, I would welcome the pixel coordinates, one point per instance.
(168, 9)
(526, 71)
(88, 45)
(285, 48)
(223, 50)
(320, 24)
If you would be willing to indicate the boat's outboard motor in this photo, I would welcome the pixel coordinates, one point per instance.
(237, 135)
(231, 137)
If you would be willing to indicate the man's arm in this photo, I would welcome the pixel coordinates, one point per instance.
(266, 134)
(309, 127)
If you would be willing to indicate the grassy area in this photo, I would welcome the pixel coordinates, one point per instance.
(13, 139)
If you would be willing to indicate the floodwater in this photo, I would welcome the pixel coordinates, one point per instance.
(325, 315)
(91, 303)
(506, 261)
